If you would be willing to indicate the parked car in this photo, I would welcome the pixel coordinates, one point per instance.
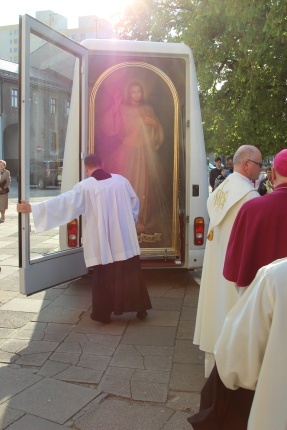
(45, 173)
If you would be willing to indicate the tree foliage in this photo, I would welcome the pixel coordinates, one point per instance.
(239, 48)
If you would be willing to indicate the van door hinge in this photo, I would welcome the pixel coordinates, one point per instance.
(188, 123)
(187, 219)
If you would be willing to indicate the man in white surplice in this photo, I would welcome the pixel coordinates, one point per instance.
(109, 207)
(217, 295)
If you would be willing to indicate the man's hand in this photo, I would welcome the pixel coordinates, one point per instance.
(24, 207)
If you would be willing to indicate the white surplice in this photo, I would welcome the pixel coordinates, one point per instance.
(109, 208)
(251, 351)
(217, 295)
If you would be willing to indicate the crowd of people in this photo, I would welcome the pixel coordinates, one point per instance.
(241, 320)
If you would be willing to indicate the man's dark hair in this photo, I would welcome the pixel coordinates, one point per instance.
(217, 159)
(230, 157)
(93, 160)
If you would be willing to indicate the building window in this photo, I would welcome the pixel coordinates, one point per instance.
(52, 106)
(14, 98)
(53, 143)
(67, 107)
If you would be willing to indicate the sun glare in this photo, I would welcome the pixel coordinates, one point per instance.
(109, 8)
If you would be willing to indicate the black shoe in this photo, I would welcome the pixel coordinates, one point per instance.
(142, 315)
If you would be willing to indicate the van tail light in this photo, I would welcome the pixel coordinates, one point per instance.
(72, 228)
(198, 231)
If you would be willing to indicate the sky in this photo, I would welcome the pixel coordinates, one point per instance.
(70, 9)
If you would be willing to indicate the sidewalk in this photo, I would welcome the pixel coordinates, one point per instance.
(59, 369)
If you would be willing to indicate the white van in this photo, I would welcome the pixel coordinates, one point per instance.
(159, 146)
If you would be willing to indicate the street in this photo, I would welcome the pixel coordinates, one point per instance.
(59, 369)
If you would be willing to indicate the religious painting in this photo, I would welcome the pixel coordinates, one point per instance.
(133, 123)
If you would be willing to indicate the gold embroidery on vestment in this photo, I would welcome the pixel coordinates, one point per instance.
(221, 196)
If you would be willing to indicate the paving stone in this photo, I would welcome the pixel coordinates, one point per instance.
(12, 319)
(29, 422)
(191, 300)
(159, 318)
(57, 332)
(36, 347)
(88, 326)
(33, 359)
(122, 415)
(158, 363)
(176, 292)
(5, 296)
(94, 362)
(117, 386)
(50, 294)
(178, 421)
(104, 340)
(70, 347)
(29, 334)
(187, 352)
(25, 305)
(8, 416)
(14, 345)
(148, 391)
(52, 368)
(14, 381)
(79, 374)
(64, 357)
(80, 338)
(73, 302)
(155, 350)
(188, 314)
(120, 372)
(166, 303)
(53, 400)
(58, 314)
(8, 357)
(153, 336)
(97, 349)
(182, 401)
(185, 330)
(187, 377)
(122, 359)
(157, 376)
(6, 333)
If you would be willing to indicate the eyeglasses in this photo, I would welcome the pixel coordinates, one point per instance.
(255, 162)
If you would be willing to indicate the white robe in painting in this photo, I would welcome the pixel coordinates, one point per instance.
(217, 295)
(251, 351)
(110, 209)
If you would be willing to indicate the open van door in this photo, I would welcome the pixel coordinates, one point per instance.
(49, 64)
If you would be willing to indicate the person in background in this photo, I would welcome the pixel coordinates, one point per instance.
(215, 172)
(216, 294)
(5, 181)
(266, 184)
(220, 178)
(109, 207)
(229, 163)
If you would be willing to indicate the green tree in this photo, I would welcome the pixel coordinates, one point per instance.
(239, 48)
